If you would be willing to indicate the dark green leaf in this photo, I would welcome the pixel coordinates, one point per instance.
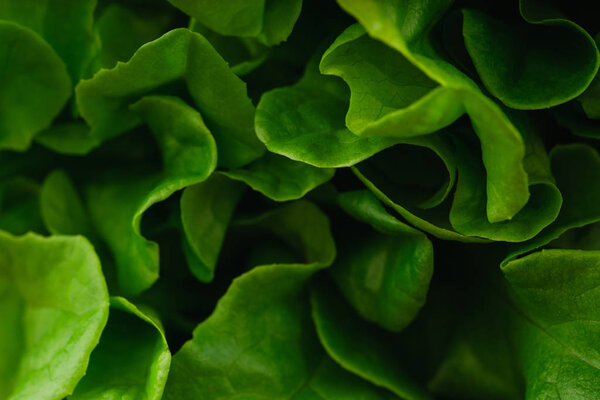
(280, 178)
(384, 276)
(131, 361)
(178, 56)
(117, 202)
(206, 209)
(358, 347)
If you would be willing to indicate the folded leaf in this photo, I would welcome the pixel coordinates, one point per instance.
(403, 25)
(242, 54)
(421, 198)
(280, 178)
(178, 56)
(467, 214)
(206, 210)
(117, 201)
(359, 347)
(463, 217)
(131, 361)
(389, 95)
(576, 168)
(259, 342)
(537, 62)
(305, 122)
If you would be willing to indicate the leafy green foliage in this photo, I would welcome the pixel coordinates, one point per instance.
(391, 292)
(116, 206)
(67, 25)
(104, 101)
(269, 21)
(53, 298)
(297, 199)
(281, 346)
(359, 348)
(36, 78)
(557, 306)
(131, 360)
(206, 210)
(517, 64)
(280, 178)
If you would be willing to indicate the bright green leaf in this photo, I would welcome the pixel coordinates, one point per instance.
(54, 305)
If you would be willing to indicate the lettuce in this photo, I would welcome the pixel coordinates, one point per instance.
(361, 199)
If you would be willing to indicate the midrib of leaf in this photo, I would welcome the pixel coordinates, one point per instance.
(543, 329)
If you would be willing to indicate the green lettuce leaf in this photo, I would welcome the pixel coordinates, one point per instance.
(117, 201)
(554, 289)
(359, 347)
(243, 54)
(62, 208)
(269, 21)
(65, 24)
(576, 168)
(538, 62)
(305, 122)
(422, 198)
(280, 178)
(206, 210)
(54, 305)
(556, 326)
(104, 100)
(123, 29)
(132, 359)
(385, 85)
(402, 25)
(34, 82)
(467, 214)
(389, 175)
(385, 276)
(257, 342)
